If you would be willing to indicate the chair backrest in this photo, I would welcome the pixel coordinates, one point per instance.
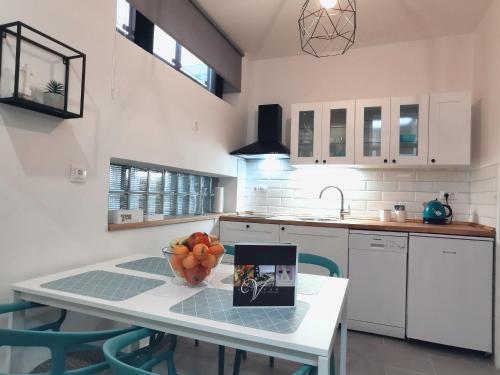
(229, 249)
(112, 352)
(317, 260)
(48, 335)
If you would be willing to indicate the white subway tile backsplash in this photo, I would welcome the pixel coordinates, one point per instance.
(431, 176)
(370, 175)
(279, 193)
(363, 195)
(483, 198)
(398, 196)
(415, 186)
(452, 187)
(382, 186)
(458, 176)
(484, 173)
(399, 175)
(482, 186)
(296, 191)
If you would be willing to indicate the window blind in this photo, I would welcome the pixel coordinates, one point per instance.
(188, 25)
(164, 192)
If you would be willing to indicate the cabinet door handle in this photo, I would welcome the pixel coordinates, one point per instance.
(324, 161)
(394, 161)
(282, 228)
(317, 161)
(385, 160)
(433, 160)
(248, 226)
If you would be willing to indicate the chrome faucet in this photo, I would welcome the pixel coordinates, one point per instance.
(342, 211)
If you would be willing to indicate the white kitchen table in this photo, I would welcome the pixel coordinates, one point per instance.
(312, 343)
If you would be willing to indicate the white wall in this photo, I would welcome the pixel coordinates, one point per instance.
(435, 65)
(486, 115)
(47, 223)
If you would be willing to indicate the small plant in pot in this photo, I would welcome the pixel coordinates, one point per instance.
(54, 94)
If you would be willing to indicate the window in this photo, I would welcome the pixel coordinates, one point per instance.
(160, 191)
(123, 17)
(164, 46)
(133, 25)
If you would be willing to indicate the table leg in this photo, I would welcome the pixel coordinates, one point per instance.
(343, 341)
(16, 321)
(323, 366)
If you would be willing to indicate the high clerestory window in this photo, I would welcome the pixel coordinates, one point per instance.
(136, 27)
(157, 191)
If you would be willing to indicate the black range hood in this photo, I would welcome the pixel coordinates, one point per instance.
(268, 137)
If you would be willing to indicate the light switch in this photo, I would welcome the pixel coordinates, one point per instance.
(78, 173)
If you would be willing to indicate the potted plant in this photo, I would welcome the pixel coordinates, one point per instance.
(54, 94)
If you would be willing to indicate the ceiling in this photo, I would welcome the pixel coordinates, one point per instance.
(268, 28)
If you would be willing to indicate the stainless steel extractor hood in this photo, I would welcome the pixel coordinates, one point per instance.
(268, 137)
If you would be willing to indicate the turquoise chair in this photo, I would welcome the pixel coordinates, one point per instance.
(112, 349)
(59, 343)
(304, 258)
(112, 352)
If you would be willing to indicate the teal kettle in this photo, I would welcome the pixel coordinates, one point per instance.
(435, 212)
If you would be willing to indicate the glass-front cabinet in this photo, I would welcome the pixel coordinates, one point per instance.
(338, 133)
(305, 134)
(373, 131)
(409, 130)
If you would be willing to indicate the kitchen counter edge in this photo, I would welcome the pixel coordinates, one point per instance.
(456, 228)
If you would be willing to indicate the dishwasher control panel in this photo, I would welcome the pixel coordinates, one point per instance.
(381, 241)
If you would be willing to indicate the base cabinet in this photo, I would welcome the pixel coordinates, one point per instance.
(450, 291)
(331, 243)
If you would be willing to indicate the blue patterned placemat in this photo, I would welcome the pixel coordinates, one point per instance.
(153, 265)
(307, 284)
(104, 285)
(217, 304)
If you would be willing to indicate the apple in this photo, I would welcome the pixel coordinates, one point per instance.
(196, 238)
(195, 275)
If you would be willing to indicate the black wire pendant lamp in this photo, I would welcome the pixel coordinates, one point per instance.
(327, 27)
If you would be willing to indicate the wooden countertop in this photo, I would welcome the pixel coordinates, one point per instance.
(456, 228)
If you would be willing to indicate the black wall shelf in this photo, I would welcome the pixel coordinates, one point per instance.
(68, 54)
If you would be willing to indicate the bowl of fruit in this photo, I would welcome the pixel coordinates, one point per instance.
(194, 258)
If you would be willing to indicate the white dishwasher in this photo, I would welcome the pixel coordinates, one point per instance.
(377, 282)
(450, 290)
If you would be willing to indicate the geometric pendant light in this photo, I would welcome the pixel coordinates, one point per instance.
(327, 27)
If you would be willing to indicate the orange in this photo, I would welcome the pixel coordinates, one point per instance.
(181, 251)
(176, 262)
(210, 261)
(190, 261)
(216, 249)
(200, 251)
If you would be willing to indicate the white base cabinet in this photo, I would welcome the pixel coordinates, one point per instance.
(450, 291)
(331, 243)
(327, 242)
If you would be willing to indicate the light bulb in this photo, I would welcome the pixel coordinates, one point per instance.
(328, 3)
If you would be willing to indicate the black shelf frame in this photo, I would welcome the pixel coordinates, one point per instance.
(15, 29)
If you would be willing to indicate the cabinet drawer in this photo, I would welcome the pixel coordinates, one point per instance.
(233, 232)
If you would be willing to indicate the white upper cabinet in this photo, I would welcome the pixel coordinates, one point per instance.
(373, 131)
(409, 130)
(338, 133)
(398, 131)
(305, 136)
(450, 129)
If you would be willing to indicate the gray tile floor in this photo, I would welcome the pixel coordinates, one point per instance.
(367, 355)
